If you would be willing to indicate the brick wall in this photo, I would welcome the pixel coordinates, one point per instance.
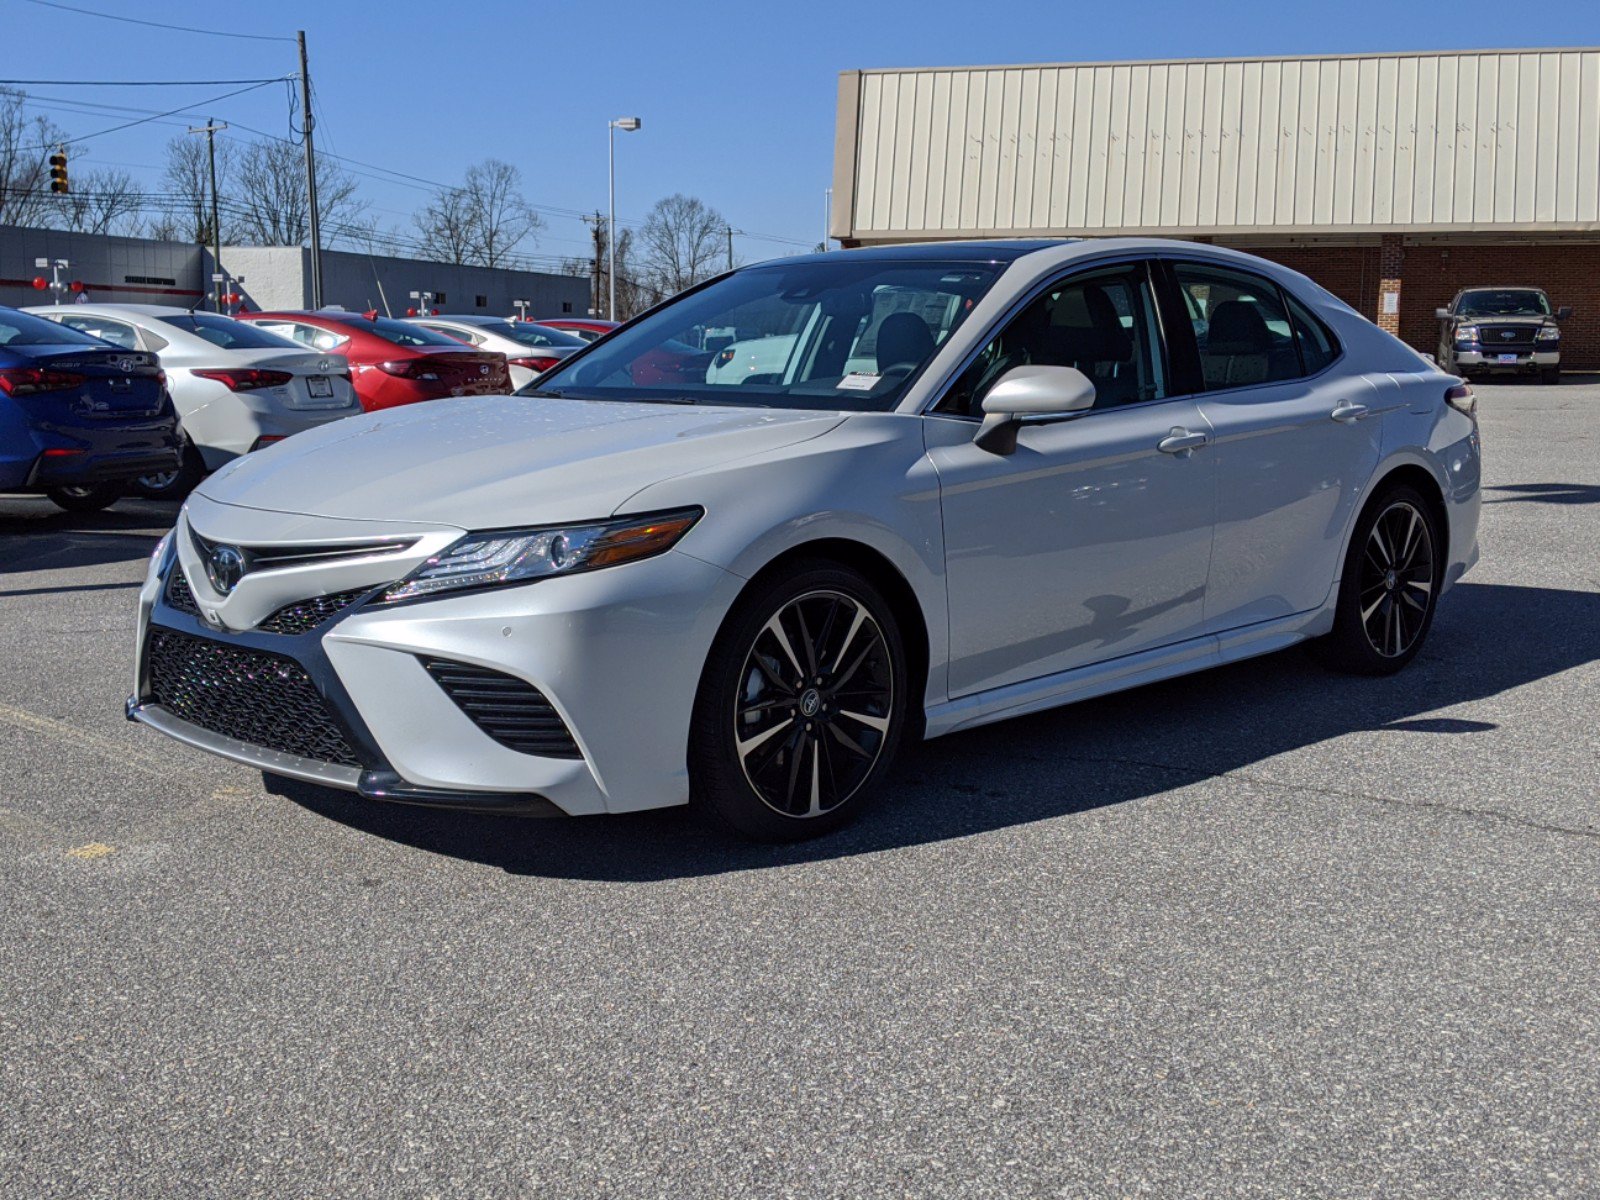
(1432, 275)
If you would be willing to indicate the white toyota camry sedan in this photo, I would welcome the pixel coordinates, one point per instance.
(985, 479)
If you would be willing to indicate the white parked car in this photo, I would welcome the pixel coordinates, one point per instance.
(530, 349)
(236, 388)
(601, 595)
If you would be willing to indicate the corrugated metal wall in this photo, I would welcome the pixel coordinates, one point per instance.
(1480, 141)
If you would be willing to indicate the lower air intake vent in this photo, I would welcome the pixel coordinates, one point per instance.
(510, 710)
(261, 699)
(305, 615)
(178, 593)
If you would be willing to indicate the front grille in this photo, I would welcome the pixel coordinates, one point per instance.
(1491, 336)
(261, 699)
(305, 615)
(179, 596)
(510, 710)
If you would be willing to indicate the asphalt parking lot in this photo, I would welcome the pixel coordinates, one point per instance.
(1261, 932)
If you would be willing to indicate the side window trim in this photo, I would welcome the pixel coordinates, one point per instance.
(1018, 306)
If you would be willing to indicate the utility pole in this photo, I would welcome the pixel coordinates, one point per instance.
(211, 129)
(730, 247)
(598, 230)
(311, 173)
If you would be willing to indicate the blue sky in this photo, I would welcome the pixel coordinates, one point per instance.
(737, 98)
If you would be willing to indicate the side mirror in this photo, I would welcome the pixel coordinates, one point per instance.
(1030, 392)
(1441, 314)
(1563, 312)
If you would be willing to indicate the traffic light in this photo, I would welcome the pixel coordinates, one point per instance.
(58, 172)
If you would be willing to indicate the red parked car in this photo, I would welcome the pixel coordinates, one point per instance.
(393, 362)
(588, 329)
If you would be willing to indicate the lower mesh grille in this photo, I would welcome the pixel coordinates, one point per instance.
(305, 615)
(178, 593)
(261, 699)
(510, 710)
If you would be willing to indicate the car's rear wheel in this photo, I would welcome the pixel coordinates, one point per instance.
(87, 497)
(176, 483)
(1390, 586)
(802, 705)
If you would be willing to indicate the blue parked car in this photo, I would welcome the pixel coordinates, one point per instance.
(79, 418)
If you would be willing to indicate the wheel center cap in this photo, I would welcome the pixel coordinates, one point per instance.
(1389, 580)
(810, 702)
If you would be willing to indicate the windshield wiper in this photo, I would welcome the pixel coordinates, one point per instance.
(533, 391)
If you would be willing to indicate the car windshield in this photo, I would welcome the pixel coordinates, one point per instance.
(22, 329)
(535, 335)
(843, 333)
(1504, 302)
(228, 333)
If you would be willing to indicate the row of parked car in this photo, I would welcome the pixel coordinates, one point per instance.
(100, 399)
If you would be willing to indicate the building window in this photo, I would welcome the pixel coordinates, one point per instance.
(566, 306)
(481, 301)
(438, 297)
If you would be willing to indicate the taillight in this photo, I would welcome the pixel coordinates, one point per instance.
(1459, 397)
(535, 362)
(30, 381)
(248, 379)
(412, 368)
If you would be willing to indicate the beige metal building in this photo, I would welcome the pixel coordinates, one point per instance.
(1394, 179)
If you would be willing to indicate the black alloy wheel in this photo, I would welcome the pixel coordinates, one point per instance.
(1390, 586)
(802, 706)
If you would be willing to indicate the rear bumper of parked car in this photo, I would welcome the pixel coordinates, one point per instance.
(615, 656)
(224, 429)
(33, 458)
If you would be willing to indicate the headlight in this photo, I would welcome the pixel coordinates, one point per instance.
(519, 555)
(1547, 333)
(1467, 333)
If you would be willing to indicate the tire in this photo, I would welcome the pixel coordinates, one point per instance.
(173, 485)
(90, 497)
(1394, 564)
(1550, 375)
(806, 771)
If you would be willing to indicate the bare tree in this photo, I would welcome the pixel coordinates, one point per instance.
(269, 196)
(25, 147)
(188, 176)
(445, 227)
(684, 242)
(102, 202)
(483, 221)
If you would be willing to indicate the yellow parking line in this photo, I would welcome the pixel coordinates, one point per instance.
(85, 739)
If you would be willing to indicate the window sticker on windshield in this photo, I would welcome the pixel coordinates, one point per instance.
(859, 381)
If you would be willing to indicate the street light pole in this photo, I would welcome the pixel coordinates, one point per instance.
(211, 129)
(627, 124)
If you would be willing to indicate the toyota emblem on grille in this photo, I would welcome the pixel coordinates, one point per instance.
(224, 567)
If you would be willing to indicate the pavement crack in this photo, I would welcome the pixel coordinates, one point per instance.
(1487, 814)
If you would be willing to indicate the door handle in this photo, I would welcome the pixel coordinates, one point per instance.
(1349, 412)
(1181, 442)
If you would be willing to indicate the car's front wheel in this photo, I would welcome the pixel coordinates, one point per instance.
(1390, 586)
(802, 705)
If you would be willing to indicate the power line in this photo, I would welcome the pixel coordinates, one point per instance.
(73, 141)
(134, 82)
(89, 12)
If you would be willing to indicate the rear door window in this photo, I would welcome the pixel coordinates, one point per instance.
(1242, 328)
(107, 330)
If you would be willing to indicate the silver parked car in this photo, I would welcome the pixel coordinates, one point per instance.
(236, 388)
(1042, 483)
(530, 349)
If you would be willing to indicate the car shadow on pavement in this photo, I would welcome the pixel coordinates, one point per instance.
(1545, 493)
(38, 536)
(1489, 638)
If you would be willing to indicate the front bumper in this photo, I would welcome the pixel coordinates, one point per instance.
(617, 653)
(1478, 361)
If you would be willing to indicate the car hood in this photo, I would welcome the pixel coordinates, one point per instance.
(496, 461)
